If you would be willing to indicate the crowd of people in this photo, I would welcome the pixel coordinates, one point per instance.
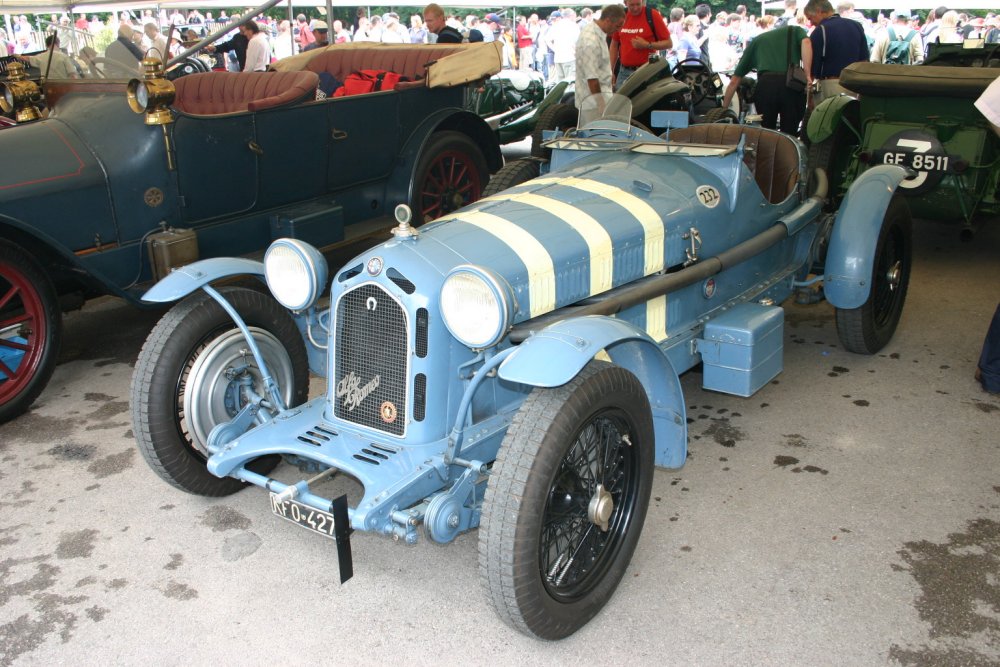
(547, 44)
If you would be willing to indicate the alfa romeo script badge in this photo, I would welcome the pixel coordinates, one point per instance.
(374, 266)
(388, 411)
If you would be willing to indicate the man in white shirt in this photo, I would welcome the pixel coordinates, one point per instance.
(156, 41)
(593, 64)
(562, 36)
(258, 48)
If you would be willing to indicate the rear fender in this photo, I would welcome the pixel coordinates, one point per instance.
(851, 255)
(824, 119)
(398, 188)
(553, 357)
(190, 278)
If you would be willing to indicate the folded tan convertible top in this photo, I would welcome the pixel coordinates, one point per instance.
(881, 80)
(465, 62)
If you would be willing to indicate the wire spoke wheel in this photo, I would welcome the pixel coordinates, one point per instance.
(566, 501)
(592, 495)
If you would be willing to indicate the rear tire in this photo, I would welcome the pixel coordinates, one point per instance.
(512, 173)
(181, 390)
(554, 117)
(869, 328)
(450, 174)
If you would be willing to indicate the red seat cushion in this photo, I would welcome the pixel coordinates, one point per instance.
(408, 62)
(214, 93)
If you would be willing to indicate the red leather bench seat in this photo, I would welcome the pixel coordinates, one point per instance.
(410, 63)
(214, 93)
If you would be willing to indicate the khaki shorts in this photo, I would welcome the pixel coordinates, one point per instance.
(830, 88)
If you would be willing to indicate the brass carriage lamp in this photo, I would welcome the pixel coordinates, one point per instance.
(152, 94)
(19, 94)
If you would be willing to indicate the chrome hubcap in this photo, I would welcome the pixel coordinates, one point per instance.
(601, 507)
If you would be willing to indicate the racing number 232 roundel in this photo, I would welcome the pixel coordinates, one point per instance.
(921, 152)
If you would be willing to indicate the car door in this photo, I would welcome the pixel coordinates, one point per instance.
(293, 143)
(364, 137)
(217, 165)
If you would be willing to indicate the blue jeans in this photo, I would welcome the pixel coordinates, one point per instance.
(623, 74)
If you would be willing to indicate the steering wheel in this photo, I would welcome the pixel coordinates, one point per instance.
(189, 65)
(698, 80)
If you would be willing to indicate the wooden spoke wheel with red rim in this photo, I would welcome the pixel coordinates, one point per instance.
(451, 173)
(30, 330)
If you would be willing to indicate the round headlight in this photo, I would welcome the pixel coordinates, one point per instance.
(295, 272)
(8, 96)
(476, 306)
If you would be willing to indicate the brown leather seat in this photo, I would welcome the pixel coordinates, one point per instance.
(410, 63)
(773, 160)
(214, 93)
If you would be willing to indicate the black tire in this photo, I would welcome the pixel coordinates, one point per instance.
(553, 117)
(30, 327)
(450, 174)
(511, 174)
(197, 337)
(543, 474)
(867, 329)
(720, 115)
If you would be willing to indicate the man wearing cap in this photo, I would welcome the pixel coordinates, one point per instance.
(900, 29)
(593, 63)
(321, 36)
(836, 43)
(438, 31)
(490, 27)
(644, 32)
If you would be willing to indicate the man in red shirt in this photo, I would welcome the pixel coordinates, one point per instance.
(525, 45)
(644, 33)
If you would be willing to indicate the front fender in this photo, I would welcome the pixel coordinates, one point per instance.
(827, 115)
(194, 276)
(850, 259)
(553, 356)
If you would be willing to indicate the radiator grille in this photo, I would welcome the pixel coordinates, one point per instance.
(371, 354)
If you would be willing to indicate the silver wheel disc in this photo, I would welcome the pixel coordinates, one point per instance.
(212, 389)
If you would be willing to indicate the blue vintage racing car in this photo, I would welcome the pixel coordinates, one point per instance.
(514, 365)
